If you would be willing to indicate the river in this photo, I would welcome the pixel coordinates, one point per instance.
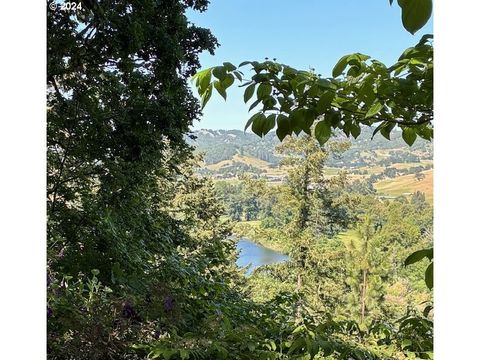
(256, 255)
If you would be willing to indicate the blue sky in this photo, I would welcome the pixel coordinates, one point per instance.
(302, 34)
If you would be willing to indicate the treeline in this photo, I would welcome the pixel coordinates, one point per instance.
(233, 170)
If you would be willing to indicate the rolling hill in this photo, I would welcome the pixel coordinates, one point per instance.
(391, 165)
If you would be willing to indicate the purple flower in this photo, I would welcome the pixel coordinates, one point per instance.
(49, 311)
(168, 303)
(129, 312)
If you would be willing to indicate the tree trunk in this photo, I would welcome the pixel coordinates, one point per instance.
(299, 282)
(364, 296)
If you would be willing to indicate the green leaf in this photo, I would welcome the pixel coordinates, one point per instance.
(238, 75)
(254, 104)
(323, 83)
(204, 80)
(326, 346)
(355, 130)
(425, 38)
(168, 353)
(333, 118)
(427, 310)
(219, 72)
(387, 129)
(283, 126)
(298, 343)
(297, 120)
(324, 101)
(273, 346)
(199, 77)
(250, 121)
(229, 66)
(269, 103)
(360, 57)
(406, 342)
(248, 92)
(309, 116)
(264, 90)
(95, 272)
(415, 13)
(340, 66)
(429, 276)
(425, 132)
(313, 90)
(419, 255)
(222, 353)
(409, 135)
(374, 109)
(269, 123)
(206, 96)
(258, 124)
(377, 129)
(228, 81)
(218, 85)
(323, 131)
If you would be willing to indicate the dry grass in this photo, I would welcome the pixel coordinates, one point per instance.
(219, 165)
(407, 184)
(249, 160)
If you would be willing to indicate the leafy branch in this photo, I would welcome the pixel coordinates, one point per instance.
(361, 92)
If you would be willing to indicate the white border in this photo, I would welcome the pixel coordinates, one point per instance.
(456, 169)
(22, 141)
(23, 184)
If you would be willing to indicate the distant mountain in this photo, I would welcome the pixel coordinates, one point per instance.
(220, 145)
(230, 145)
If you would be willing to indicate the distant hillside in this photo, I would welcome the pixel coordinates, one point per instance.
(223, 145)
(220, 145)
(392, 167)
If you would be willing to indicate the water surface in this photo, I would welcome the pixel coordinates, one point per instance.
(255, 255)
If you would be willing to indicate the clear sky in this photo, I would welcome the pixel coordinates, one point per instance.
(302, 34)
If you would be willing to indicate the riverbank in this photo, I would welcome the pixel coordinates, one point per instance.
(269, 238)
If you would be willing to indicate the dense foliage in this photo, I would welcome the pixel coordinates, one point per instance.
(347, 246)
(123, 266)
(140, 261)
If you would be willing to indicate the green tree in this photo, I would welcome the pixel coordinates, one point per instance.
(365, 262)
(117, 100)
(315, 210)
(118, 108)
